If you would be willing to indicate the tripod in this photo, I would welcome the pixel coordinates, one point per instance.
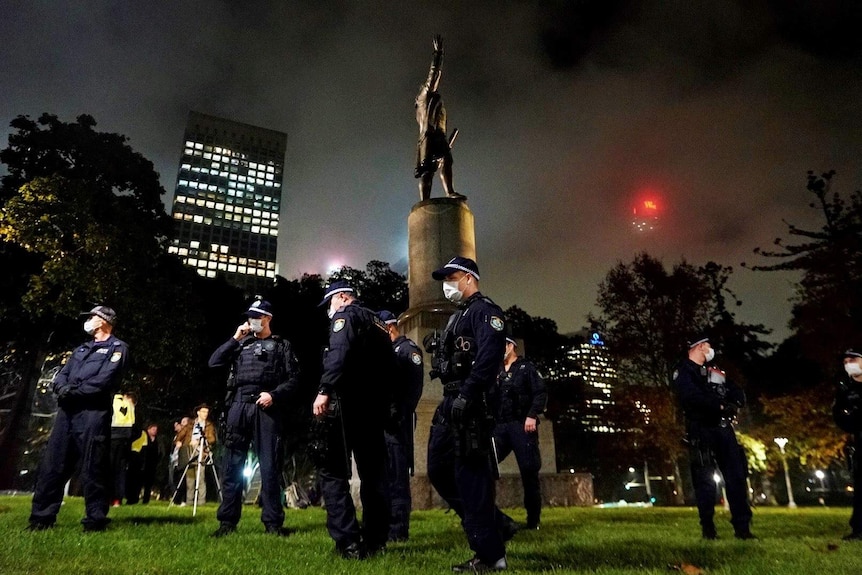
(201, 457)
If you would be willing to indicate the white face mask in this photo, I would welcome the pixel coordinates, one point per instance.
(256, 325)
(90, 326)
(451, 291)
(710, 355)
(853, 369)
(333, 306)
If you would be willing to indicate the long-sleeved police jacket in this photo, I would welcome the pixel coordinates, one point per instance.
(522, 392)
(410, 374)
(260, 364)
(847, 409)
(703, 402)
(479, 321)
(359, 364)
(92, 374)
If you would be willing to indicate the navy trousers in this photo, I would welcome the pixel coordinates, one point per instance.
(80, 435)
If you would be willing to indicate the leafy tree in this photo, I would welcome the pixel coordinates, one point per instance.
(82, 222)
(827, 312)
(826, 319)
(648, 314)
(378, 287)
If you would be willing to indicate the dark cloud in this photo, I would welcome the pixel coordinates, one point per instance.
(568, 112)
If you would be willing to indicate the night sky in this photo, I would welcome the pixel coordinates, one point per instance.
(568, 113)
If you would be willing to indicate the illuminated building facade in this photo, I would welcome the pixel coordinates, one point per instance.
(227, 200)
(594, 365)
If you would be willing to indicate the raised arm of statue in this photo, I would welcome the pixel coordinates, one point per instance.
(433, 147)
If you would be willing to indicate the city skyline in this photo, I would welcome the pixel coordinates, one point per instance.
(564, 119)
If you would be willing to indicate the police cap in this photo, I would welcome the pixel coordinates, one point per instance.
(334, 288)
(697, 339)
(387, 317)
(852, 352)
(102, 311)
(259, 309)
(456, 264)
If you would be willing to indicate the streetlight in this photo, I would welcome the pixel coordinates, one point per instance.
(820, 475)
(781, 442)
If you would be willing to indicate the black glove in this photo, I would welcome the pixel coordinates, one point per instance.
(64, 392)
(459, 407)
(429, 342)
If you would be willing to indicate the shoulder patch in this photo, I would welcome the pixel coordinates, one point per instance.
(115, 357)
(496, 323)
(338, 325)
(416, 358)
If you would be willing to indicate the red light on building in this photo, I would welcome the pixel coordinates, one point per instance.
(645, 214)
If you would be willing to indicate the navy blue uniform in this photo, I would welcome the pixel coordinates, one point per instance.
(399, 435)
(710, 403)
(81, 432)
(358, 375)
(521, 394)
(847, 412)
(460, 470)
(258, 365)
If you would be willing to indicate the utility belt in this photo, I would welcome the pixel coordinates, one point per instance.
(248, 393)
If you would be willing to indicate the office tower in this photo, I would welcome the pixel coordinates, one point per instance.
(595, 365)
(227, 200)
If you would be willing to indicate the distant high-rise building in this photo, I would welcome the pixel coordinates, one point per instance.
(227, 200)
(597, 369)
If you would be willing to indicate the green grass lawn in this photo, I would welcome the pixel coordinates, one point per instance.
(156, 539)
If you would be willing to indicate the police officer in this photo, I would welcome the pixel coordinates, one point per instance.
(521, 399)
(847, 411)
(354, 398)
(710, 403)
(264, 375)
(460, 457)
(399, 434)
(82, 428)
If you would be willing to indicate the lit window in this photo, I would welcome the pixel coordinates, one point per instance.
(255, 229)
(194, 244)
(198, 219)
(223, 249)
(199, 146)
(231, 268)
(222, 267)
(211, 274)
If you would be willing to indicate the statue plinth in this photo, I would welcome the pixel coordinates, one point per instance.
(438, 229)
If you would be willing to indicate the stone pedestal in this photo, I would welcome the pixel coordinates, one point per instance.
(438, 229)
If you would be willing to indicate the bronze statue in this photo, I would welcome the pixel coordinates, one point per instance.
(434, 149)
